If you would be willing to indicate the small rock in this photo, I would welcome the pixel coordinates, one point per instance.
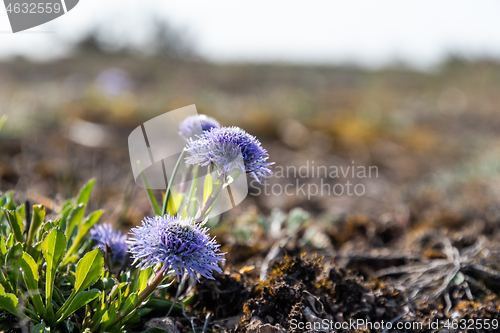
(369, 298)
(227, 323)
(256, 326)
(392, 304)
(255, 323)
(168, 324)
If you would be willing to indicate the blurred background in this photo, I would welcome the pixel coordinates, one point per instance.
(409, 87)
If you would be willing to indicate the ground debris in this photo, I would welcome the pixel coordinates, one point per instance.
(304, 290)
(224, 296)
(167, 324)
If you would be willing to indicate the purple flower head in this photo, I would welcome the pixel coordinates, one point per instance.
(115, 240)
(177, 244)
(189, 126)
(230, 148)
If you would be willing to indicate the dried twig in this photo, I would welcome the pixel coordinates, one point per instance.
(431, 278)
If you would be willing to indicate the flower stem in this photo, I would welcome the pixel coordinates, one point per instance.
(174, 173)
(192, 191)
(151, 196)
(144, 295)
(186, 175)
(212, 199)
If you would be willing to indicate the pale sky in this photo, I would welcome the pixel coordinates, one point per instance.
(373, 33)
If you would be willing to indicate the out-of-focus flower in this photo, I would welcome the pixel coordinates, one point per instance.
(230, 148)
(190, 126)
(177, 244)
(115, 241)
(114, 81)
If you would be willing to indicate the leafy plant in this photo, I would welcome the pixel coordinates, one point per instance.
(49, 278)
(53, 279)
(43, 278)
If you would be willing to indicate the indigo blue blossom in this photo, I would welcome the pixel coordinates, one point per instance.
(177, 244)
(230, 148)
(115, 240)
(190, 126)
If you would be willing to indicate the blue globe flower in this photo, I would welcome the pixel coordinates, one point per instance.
(177, 244)
(189, 126)
(115, 240)
(230, 148)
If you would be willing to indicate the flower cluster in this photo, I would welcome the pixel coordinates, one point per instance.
(171, 243)
(230, 148)
(177, 244)
(114, 240)
(190, 126)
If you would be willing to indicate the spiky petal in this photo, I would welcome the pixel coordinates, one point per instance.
(190, 126)
(230, 148)
(177, 244)
(105, 235)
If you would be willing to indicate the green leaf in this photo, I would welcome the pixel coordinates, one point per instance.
(75, 218)
(97, 317)
(9, 203)
(16, 224)
(30, 275)
(46, 227)
(36, 222)
(188, 300)
(9, 303)
(37, 251)
(108, 319)
(53, 249)
(81, 299)
(40, 328)
(21, 209)
(116, 292)
(58, 295)
(88, 270)
(10, 241)
(84, 194)
(140, 283)
(152, 199)
(3, 248)
(207, 186)
(129, 304)
(13, 253)
(163, 304)
(12, 266)
(174, 202)
(71, 259)
(66, 208)
(82, 232)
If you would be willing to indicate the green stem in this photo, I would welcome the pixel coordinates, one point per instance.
(192, 191)
(174, 173)
(151, 196)
(144, 294)
(185, 176)
(212, 199)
